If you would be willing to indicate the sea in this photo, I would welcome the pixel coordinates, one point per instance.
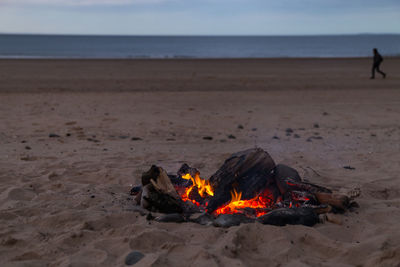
(121, 47)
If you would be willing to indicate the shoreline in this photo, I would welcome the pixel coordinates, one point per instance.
(148, 75)
(183, 58)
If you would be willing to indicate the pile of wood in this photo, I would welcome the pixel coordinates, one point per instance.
(249, 172)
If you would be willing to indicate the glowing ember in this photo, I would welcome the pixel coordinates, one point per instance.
(202, 187)
(200, 192)
(237, 205)
(260, 204)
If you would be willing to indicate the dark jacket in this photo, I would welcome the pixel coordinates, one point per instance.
(377, 59)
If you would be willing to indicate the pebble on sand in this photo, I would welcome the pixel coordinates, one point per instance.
(133, 257)
(348, 168)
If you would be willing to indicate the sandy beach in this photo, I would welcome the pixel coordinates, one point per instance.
(64, 200)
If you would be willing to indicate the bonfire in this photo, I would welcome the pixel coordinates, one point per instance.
(248, 187)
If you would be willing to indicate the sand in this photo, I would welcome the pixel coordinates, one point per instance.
(64, 201)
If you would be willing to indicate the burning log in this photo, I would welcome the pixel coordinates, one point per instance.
(184, 170)
(249, 172)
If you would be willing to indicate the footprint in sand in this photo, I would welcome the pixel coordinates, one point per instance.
(149, 240)
(20, 194)
(87, 257)
(31, 255)
(110, 119)
(56, 174)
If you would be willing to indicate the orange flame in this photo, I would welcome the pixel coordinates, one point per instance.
(203, 186)
(236, 204)
(257, 206)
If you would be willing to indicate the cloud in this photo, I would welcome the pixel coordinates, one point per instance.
(80, 2)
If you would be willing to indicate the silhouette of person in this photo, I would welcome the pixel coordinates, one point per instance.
(377, 62)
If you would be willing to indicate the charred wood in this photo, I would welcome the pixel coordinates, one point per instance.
(281, 217)
(136, 190)
(228, 220)
(173, 217)
(248, 172)
(289, 184)
(186, 169)
(203, 219)
(283, 172)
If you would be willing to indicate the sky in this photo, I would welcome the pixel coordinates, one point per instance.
(200, 17)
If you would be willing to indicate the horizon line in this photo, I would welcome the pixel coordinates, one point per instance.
(196, 35)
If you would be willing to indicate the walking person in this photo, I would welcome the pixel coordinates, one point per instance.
(377, 62)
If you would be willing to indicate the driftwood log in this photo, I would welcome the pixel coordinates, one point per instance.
(159, 194)
(338, 201)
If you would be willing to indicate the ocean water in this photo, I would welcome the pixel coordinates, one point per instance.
(79, 46)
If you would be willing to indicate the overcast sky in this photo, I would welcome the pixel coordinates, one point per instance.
(200, 17)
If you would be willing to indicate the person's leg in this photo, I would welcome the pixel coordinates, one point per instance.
(373, 71)
(381, 72)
